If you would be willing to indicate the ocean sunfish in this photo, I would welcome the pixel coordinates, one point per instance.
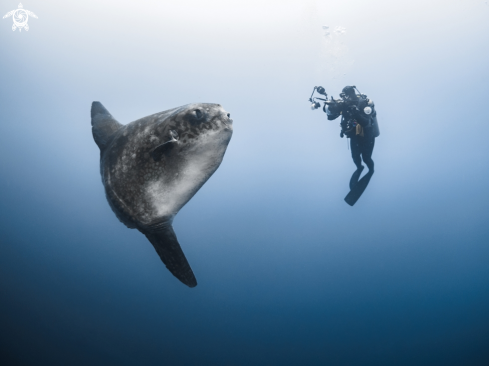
(152, 167)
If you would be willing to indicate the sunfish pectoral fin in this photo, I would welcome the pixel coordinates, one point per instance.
(166, 244)
(162, 149)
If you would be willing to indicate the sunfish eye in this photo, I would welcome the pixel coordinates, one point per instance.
(198, 113)
(229, 115)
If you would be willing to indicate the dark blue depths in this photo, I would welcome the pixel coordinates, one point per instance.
(288, 273)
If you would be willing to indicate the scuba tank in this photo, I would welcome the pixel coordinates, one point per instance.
(374, 124)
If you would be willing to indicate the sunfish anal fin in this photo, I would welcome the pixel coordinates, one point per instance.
(166, 244)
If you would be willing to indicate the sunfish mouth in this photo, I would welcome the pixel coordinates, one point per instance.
(229, 123)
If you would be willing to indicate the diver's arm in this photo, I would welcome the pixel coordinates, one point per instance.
(362, 118)
(364, 113)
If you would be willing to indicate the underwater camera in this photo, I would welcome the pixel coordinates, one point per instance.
(344, 101)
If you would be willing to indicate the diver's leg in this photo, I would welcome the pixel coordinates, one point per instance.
(367, 149)
(356, 150)
(355, 176)
(355, 154)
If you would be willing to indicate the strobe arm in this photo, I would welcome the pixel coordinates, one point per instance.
(320, 90)
(315, 104)
(313, 90)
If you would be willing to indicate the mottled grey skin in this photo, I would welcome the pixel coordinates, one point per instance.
(153, 166)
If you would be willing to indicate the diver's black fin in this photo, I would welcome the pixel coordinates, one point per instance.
(103, 125)
(356, 175)
(358, 189)
(166, 244)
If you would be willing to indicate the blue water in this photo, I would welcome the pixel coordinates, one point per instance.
(288, 273)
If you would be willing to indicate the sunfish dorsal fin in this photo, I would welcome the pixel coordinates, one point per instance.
(103, 125)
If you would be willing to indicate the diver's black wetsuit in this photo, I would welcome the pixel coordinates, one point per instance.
(362, 146)
(362, 137)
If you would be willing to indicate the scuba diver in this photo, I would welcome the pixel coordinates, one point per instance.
(359, 124)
